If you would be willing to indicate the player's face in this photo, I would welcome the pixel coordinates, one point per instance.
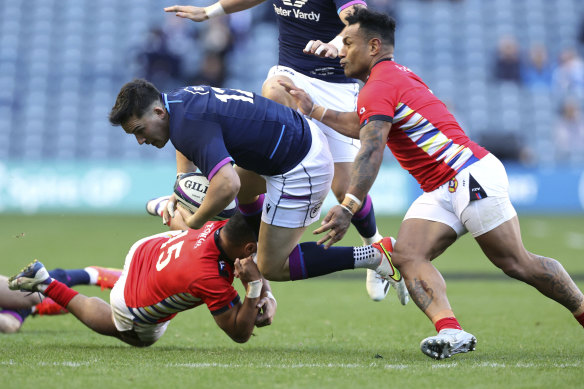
(355, 58)
(151, 128)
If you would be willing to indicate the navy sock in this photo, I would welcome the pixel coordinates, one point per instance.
(309, 260)
(18, 314)
(70, 277)
(364, 220)
(24, 312)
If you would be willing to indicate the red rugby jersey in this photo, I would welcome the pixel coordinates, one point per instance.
(425, 137)
(169, 275)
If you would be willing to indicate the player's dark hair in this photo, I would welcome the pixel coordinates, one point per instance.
(237, 230)
(374, 25)
(134, 99)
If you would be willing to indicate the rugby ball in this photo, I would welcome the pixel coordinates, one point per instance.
(190, 190)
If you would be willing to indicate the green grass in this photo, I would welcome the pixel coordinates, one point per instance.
(327, 333)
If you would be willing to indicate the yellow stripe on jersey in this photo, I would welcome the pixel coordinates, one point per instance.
(434, 144)
(403, 114)
(431, 140)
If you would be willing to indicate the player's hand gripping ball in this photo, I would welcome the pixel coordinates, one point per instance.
(190, 190)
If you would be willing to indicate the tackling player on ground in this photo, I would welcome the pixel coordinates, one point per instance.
(308, 45)
(465, 187)
(166, 274)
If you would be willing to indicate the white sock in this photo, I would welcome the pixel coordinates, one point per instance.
(366, 257)
(93, 275)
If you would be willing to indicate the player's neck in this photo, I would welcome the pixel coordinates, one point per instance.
(224, 247)
(385, 56)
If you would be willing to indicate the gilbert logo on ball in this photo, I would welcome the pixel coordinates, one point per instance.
(190, 190)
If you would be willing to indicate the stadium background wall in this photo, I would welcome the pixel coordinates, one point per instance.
(116, 187)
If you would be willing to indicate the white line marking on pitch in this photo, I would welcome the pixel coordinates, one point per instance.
(438, 365)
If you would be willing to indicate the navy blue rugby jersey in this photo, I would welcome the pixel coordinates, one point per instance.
(216, 126)
(300, 21)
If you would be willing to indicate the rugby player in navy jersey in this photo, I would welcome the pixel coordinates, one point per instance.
(277, 152)
(308, 47)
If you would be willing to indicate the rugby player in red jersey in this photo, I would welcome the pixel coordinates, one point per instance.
(465, 187)
(168, 273)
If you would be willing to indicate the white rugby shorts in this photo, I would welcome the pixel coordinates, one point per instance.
(451, 203)
(123, 318)
(294, 199)
(338, 96)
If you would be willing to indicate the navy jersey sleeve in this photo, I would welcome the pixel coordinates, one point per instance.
(202, 142)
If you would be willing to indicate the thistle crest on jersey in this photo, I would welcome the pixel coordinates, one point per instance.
(297, 3)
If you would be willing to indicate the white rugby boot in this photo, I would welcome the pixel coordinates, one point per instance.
(448, 342)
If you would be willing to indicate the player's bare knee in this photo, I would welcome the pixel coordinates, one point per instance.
(512, 267)
(402, 257)
(273, 273)
(9, 324)
(274, 91)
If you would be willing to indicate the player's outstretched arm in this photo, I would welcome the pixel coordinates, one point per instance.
(200, 14)
(239, 321)
(363, 174)
(346, 123)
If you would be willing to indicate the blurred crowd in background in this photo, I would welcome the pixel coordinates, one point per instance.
(511, 71)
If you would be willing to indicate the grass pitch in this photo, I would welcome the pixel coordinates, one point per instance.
(327, 333)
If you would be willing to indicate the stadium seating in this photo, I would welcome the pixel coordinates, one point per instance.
(63, 61)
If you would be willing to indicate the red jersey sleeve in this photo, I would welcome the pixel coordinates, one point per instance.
(217, 293)
(377, 101)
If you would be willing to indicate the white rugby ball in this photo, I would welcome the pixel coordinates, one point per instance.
(190, 190)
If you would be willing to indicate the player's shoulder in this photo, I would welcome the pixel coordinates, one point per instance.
(389, 73)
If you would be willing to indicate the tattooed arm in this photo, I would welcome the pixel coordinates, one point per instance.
(373, 137)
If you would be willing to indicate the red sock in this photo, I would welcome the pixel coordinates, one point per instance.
(60, 293)
(447, 322)
(580, 319)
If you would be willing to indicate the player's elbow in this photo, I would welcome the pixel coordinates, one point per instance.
(241, 338)
(232, 187)
(353, 131)
(228, 182)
